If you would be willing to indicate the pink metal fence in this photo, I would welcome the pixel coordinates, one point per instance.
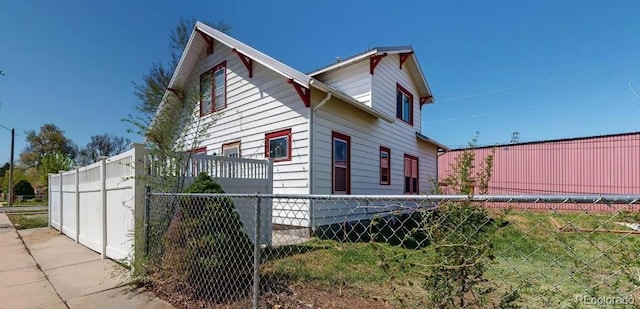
(608, 164)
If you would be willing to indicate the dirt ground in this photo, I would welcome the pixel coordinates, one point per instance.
(284, 298)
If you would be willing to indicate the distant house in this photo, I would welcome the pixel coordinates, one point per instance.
(606, 164)
(352, 127)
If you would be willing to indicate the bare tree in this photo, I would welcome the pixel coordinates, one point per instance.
(106, 145)
(155, 82)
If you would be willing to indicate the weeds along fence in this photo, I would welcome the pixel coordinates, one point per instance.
(395, 251)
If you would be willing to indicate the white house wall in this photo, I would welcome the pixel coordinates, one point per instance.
(384, 86)
(367, 135)
(262, 104)
(353, 80)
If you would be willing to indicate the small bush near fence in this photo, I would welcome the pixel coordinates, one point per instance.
(206, 257)
(406, 252)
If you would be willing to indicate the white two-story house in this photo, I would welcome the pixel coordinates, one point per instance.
(352, 127)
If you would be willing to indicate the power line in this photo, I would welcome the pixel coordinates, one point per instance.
(541, 81)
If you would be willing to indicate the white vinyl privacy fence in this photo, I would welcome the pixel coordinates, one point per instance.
(97, 205)
(102, 205)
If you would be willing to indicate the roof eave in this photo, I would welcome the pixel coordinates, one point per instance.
(255, 55)
(432, 142)
(363, 56)
(350, 100)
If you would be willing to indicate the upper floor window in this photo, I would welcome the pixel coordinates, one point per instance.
(213, 89)
(404, 105)
(277, 145)
(385, 162)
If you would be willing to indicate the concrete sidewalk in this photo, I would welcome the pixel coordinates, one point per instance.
(52, 271)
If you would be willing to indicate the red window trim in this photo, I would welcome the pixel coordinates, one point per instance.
(347, 139)
(417, 188)
(198, 150)
(410, 95)
(281, 133)
(388, 151)
(221, 65)
(233, 144)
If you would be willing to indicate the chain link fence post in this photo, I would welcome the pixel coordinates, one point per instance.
(147, 197)
(256, 255)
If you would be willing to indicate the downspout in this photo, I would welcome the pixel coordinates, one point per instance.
(311, 131)
(311, 155)
(323, 101)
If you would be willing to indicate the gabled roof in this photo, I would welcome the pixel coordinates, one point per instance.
(197, 42)
(247, 50)
(384, 50)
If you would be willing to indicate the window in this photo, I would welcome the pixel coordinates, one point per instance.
(341, 163)
(213, 89)
(277, 145)
(404, 105)
(410, 174)
(231, 150)
(385, 163)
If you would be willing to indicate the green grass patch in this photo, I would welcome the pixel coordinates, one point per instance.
(30, 203)
(548, 267)
(29, 221)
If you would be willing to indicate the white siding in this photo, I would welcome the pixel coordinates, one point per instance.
(367, 135)
(353, 80)
(262, 104)
(384, 86)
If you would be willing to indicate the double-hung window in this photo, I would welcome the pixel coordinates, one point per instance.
(341, 163)
(410, 174)
(213, 89)
(277, 145)
(385, 164)
(404, 105)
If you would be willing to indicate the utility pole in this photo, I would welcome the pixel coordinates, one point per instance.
(13, 138)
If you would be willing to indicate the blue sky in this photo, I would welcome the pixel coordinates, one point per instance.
(547, 69)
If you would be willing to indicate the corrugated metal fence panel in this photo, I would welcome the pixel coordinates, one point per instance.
(598, 165)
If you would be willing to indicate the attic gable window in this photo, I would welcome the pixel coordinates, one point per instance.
(213, 89)
(404, 105)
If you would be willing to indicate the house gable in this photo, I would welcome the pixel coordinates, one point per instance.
(372, 78)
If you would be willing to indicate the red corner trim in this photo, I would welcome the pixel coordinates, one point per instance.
(374, 60)
(209, 41)
(248, 62)
(404, 57)
(425, 100)
(304, 93)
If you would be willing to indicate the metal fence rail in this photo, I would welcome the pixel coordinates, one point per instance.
(445, 251)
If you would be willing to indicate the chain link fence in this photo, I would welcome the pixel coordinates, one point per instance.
(216, 250)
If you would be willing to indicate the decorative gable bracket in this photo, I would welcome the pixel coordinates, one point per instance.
(248, 62)
(426, 100)
(304, 93)
(374, 60)
(209, 41)
(404, 57)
